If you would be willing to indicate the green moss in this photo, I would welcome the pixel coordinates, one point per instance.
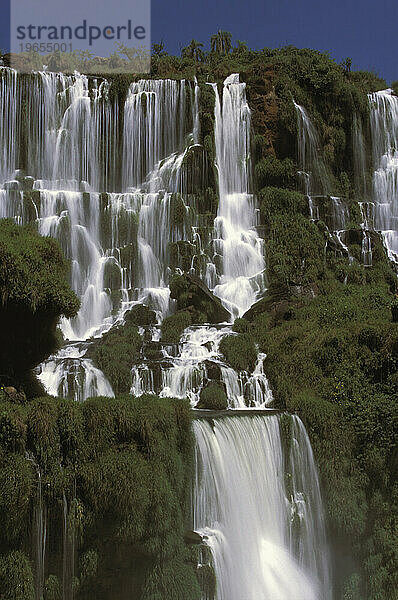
(274, 172)
(116, 352)
(173, 580)
(17, 487)
(140, 315)
(213, 397)
(239, 351)
(275, 200)
(173, 327)
(124, 466)
(16, 577)
(34, 294)
(52, 588)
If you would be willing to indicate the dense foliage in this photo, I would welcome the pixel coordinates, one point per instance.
(34, 293)
(119, 472)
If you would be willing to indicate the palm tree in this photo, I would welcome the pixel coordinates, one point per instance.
(221, 42)
(193, 51)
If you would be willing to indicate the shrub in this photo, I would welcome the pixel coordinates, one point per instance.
(16, 577)
(274, 172)
(213, 397)
(239, 351)
(173, 327)
(115, 354)
(34, 294)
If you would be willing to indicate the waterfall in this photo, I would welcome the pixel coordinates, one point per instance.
(39, 531)
(311, 165)
(108, 180)
(384, 130)
(258, 507)
(197, 363)
(359, 155)
(242, 273)
(8, 123)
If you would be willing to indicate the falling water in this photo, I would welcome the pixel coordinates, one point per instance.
(258, 506)
(236, 240)
(312, 167)
(197, 363)
(39, 531)
(359, 155)
(257, 498)
(384, 128)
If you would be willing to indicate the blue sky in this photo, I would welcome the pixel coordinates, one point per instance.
(364, 30)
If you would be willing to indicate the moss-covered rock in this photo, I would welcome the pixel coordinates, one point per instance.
(173, 326)
(213, 397)
(140, 315)
(239, 351)
(117, 350)
(34, 294)
(122, 468)
(193, 295)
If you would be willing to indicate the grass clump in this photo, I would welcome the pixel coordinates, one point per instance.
(173, 326)
(239, 351)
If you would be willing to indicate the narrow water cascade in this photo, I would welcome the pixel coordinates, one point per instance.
(39, 531)
(313, 172)
(257, 504)
(236, 241)
(384, 130)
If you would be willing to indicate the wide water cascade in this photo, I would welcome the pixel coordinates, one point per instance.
(257, 503)
(120, 184)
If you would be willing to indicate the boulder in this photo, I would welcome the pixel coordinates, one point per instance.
(213, 397)
(141, 315)
(192, 537)
(192, 294)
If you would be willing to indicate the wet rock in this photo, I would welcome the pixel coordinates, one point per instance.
(141, 315)
(213, 370)
(192, 537)
(192, 294)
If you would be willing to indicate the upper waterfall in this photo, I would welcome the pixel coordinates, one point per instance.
(242, 273)
(384, 129)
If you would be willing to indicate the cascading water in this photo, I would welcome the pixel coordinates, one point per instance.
(241, 279)
(115, 196)
(316, 184)
(39, 530)
(257, 504)
(384, 129)
(69, 148)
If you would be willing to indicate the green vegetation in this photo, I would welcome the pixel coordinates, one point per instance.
(334, 361)
(213, 397)
(118, 349)
(173, 327)
(239, 351)
(34, 293)
(124, 467)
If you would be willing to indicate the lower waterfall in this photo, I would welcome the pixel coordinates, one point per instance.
(257, 505)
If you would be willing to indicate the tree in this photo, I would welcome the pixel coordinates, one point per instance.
(221, 42)
(34, 294)
(158, 50)
(346, 64)
(193, 51)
